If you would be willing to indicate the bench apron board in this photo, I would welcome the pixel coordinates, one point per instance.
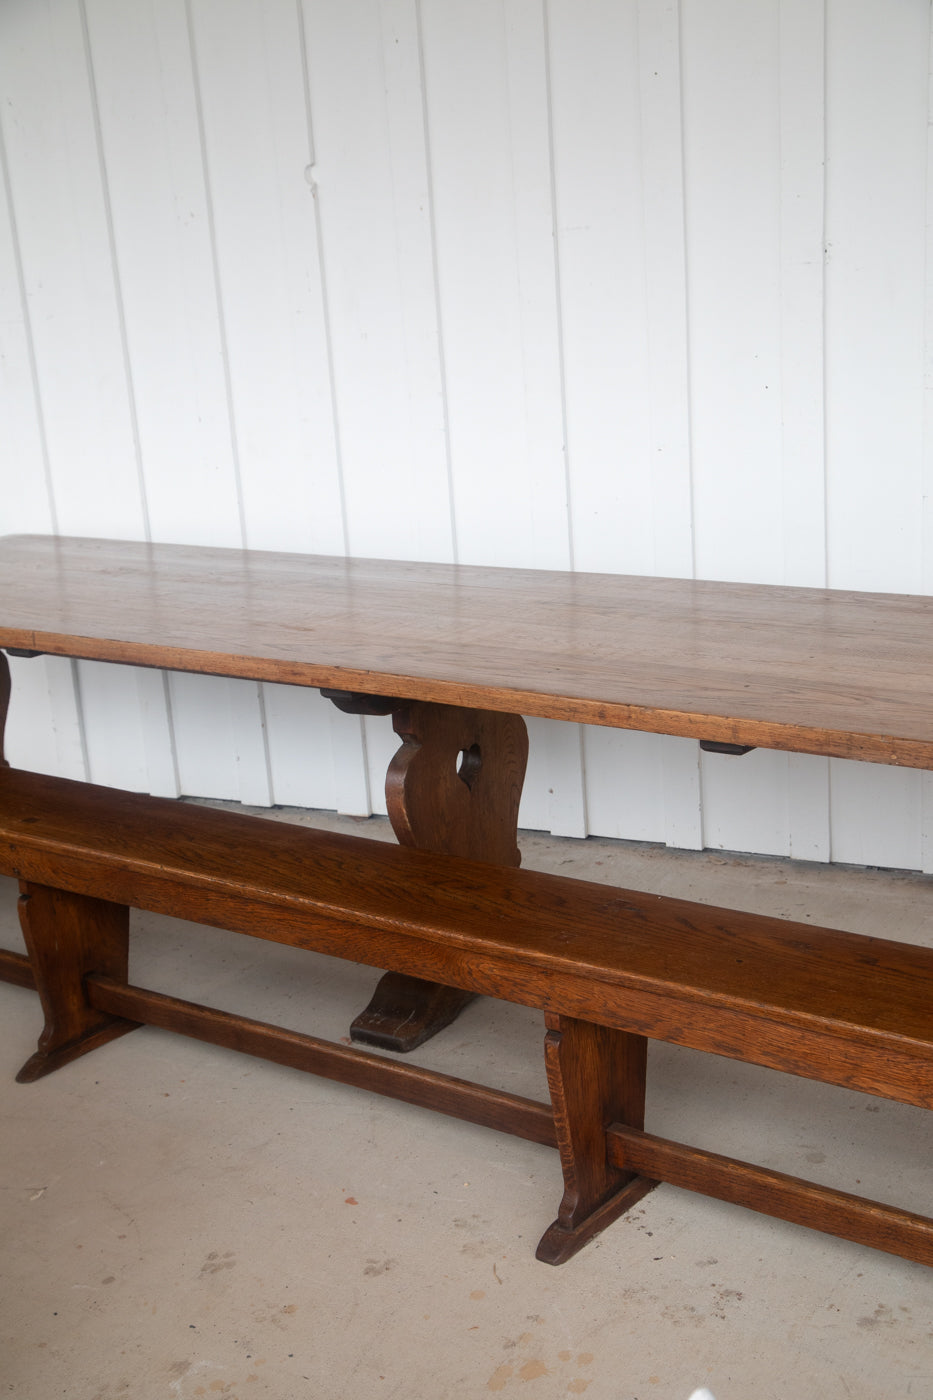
(447, 913)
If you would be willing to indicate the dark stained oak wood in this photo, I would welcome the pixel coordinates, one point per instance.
(4, 702)
(843, 1007)
(16, 968)
(455, 654)
(453, 787)
(774, 1193)
(808, 670)
(596, 1077)
(607, 966)
(69, 935)
(458, 1098)
(455, 784)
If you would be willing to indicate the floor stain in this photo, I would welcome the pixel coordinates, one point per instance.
(215, 1262)
(535, 1367)
(500, 1376)
(882, 1317)
(533, 1370)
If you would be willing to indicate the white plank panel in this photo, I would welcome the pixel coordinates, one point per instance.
(877, 75)
(732, 134)
(595, 88)
(154, 702)
(113, 726)
(257, 149)
(382, 744)
(772, 803)
(661, 150)
(876, 815)
(44, 728)
(205, 756)
(683, 809)
(554, 796)
(370, 176)
(298, 737)
(624, 785)
(877, 108)
(204, 736)
(486, 84)
(643, 787)
(802, 98)
(220, 718)
(251, 753)
(62, 219)
(354, 795)
(149, 134)
(25, 500)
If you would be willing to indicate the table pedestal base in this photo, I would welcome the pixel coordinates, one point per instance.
(453, 787)
(406, 1011)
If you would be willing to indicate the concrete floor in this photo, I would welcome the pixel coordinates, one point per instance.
(178, 1221)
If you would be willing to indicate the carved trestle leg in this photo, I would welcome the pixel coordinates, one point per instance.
(69, 936)
(14, 967)
(453, 787)
(596, 1077)
(4, 704)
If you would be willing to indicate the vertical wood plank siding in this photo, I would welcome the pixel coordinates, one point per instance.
(626, 285)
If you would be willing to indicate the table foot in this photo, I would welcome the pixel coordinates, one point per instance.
(406, 1011)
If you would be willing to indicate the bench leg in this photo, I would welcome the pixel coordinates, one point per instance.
(4, 702)
(596, 1077)
(453, 787)
(69, 936)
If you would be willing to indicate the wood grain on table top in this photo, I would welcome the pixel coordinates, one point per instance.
(804, 669)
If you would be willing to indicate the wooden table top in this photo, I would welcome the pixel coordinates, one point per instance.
(803, 669)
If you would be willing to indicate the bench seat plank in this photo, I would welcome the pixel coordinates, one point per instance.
(831, 1005)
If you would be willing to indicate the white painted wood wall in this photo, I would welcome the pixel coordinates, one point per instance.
(626, 285)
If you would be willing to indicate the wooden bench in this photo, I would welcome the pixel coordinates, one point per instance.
(608, 967)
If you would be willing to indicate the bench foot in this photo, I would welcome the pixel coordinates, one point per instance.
(406, 1011)
(560, 1243)
(69, 936)
(46, 1062)
(596, 1077)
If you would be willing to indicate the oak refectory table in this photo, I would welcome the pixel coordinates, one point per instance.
(457, 655)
